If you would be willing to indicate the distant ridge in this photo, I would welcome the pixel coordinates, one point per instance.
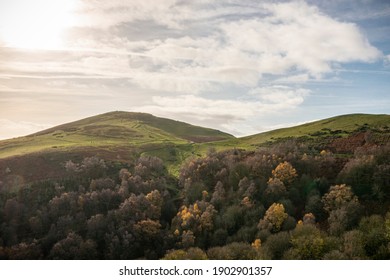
(337, 126)
(118, 130)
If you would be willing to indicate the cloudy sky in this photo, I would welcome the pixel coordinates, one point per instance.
(241, 66)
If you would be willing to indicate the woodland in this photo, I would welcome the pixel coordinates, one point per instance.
(285, 201)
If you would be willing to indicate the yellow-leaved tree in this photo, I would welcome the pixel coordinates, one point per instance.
(285, 172)
(273, 218)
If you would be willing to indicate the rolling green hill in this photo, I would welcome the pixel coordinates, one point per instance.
(123, 137)
(114, 136)
(111, 130)
(336, 127)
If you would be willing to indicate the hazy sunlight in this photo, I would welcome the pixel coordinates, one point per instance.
(37, 24)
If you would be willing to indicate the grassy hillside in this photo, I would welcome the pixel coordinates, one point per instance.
(123, 137)
(114, 136)
(111, 131)
(336, 127)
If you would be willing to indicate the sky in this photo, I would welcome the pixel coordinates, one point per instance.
(240, 66)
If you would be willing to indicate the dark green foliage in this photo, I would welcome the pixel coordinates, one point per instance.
(315, 206)
(375, 237)
(381, 178)
(233, 251)
(277, 244)
(307, 243)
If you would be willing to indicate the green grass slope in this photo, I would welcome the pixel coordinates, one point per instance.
(111, 130)
(115, 136)
(340, 126)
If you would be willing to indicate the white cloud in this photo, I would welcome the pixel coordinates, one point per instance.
(282, 96)
(227, 114)
(296, 35)
(288, 36)
(293, 79)
(249, 58)
(104, 14)
(202, 108)
(238, 51)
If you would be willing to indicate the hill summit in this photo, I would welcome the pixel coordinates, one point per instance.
(121, 124)
(113, 129)
(124, 136)
(114, 136)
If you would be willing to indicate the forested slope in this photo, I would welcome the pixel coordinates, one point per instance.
(277, 203)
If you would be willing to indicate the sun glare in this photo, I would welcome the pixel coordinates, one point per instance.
(37, 24)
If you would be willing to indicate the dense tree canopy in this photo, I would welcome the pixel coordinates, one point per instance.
(284, 202)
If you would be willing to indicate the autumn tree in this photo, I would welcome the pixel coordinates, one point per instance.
(197, 218)
(337, 197)
(187, 239)
(343, 208)
(93, 167)
(141, 207)
(285, 172)
(189, 254)
(147, 166)
(273, 218)
(309, 219)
